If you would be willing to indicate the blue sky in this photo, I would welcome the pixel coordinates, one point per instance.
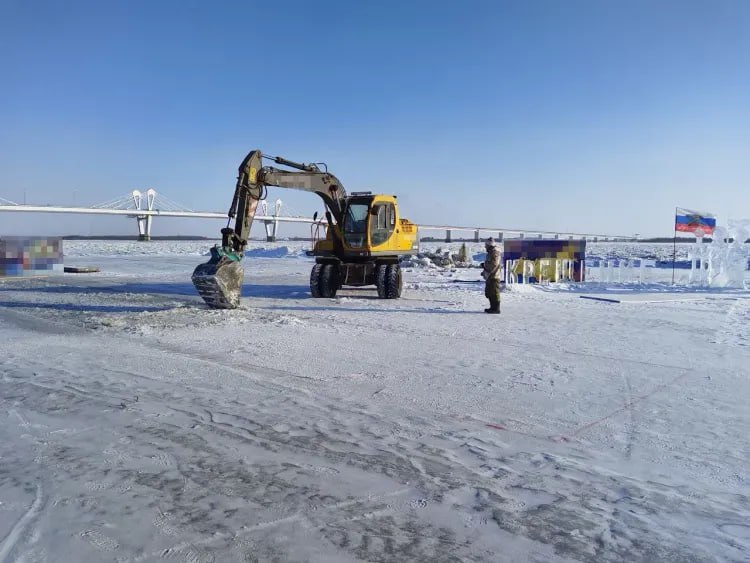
(582, 115)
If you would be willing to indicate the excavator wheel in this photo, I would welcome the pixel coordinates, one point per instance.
(393, 282)
(329, 280)
(380, 273)
(315, 280)
(324, 280)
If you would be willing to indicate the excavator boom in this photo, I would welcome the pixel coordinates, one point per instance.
(219, 281)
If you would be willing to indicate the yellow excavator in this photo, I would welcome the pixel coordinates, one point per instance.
(365, 234)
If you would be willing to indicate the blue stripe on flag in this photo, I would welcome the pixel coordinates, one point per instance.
(687, 219)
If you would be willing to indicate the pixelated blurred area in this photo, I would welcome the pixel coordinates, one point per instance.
(31, 256)
(544, 258)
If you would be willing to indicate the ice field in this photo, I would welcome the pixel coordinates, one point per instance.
(138, 425)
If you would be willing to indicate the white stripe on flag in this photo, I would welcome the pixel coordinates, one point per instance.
(683, 211)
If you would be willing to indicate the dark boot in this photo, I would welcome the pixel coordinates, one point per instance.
(494, 308)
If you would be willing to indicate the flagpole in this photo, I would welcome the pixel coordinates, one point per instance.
(674, 243)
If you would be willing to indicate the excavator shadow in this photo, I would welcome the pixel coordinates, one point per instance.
(380, 310)
(93, 308)
(250, 290)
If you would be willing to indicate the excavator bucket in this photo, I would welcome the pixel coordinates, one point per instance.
(219, 281)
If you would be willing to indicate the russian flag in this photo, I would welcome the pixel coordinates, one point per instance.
(696, 222)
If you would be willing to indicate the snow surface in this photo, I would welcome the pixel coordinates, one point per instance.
(138, 425)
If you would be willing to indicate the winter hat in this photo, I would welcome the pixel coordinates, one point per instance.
(489, 242)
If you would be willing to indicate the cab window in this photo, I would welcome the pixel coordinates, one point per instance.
(382, 223)
(355, 225)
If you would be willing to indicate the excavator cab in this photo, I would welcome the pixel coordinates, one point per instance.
(370, 226)
(369, 221)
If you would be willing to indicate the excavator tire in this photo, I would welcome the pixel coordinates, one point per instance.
(329, 280)
(380, 273)
(393, 281)
(315, 280)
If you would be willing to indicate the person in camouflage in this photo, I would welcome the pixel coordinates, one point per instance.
(491, 275)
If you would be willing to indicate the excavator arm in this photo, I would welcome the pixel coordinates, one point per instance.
(252, 181)
(324, 184)
(219, 280)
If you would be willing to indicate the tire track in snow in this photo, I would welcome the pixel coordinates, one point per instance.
(270, 524)
(15, 534)
(630, 425)
(109, 400)
(22, 421)
(99, 540)
(628, 406)
(735, 330)
(11, 540)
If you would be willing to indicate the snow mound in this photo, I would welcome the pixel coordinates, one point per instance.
(418, 262)
(522, 288)
(274, 252)
(88, 248)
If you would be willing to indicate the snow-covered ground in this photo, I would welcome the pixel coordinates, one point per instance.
(137, 425)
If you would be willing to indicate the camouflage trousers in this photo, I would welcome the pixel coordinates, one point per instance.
(492, 291)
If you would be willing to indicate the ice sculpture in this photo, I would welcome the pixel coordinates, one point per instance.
(724, 261)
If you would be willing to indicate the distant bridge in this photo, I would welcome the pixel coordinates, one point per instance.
(144, 206)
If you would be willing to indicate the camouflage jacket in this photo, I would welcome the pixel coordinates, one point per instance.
(492, 264)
